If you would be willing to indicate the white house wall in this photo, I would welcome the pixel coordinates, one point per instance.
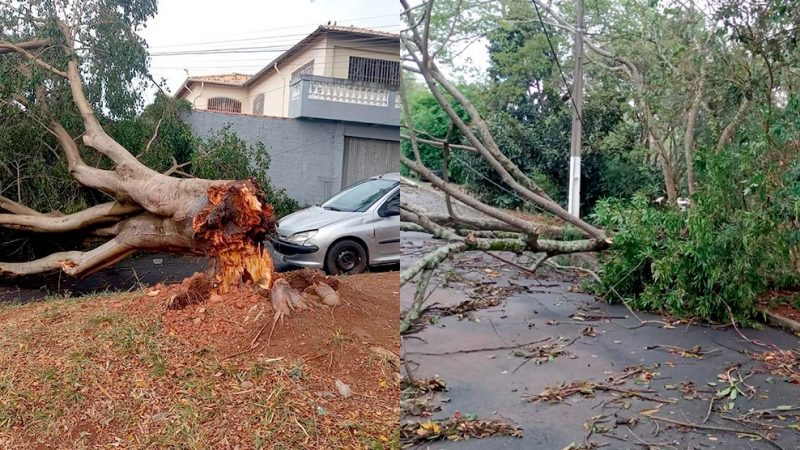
(275, 85)
(201, 92)
(344, 48)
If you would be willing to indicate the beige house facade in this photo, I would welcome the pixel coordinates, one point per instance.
(345, 53)
(327, 110)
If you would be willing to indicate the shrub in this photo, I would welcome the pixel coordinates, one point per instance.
(225, 156)
(730, 247)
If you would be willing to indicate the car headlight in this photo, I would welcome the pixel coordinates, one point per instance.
(301, 237)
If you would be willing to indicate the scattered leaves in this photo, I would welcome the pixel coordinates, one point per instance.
(457, 428)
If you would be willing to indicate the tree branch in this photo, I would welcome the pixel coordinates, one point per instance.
(28, 45)
(9, 47)
(17, 208)
(730, 129)
(100, 214)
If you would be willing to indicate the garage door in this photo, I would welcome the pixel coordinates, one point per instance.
(364, 158)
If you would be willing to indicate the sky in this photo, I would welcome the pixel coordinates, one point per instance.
(246, 35)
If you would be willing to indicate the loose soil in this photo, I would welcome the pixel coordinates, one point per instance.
(783, 303)
(787, 310)
(128, 371)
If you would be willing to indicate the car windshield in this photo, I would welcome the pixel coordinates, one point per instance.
(360, 196)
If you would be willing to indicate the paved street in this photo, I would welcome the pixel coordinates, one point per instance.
(485, 383)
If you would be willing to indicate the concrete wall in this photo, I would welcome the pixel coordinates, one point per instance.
(307, 155)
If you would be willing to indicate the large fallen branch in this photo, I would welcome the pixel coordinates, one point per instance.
(224, 219)
(452, 227)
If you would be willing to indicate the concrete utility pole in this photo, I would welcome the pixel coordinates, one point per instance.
(577, 113)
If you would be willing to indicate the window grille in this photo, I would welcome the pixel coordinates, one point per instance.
(374, 70)
(224, 104)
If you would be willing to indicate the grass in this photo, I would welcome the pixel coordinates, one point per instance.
(89, 373)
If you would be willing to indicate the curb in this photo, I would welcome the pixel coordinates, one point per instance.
(780, 321)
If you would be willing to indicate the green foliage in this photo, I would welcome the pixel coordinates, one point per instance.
(725, 251)
(529, 114)
(223, 155)
(158, 134)
(429, 117)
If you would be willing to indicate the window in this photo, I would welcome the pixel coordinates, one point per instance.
(374, 70)
(391, 207)
(360, 196)
(258, 105)
(305, 69)
(224, 104)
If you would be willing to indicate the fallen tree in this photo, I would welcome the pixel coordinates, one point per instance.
(64, 46)
(499, 230)
(418, 50)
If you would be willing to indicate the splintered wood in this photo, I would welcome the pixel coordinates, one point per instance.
(232, 227)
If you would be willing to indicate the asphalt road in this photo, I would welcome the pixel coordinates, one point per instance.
(485, 383)
(142, 269)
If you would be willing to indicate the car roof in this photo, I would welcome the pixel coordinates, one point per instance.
(394, 176)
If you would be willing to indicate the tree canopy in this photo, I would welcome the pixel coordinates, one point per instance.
(681, 101)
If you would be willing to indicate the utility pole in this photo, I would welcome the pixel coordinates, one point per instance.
(577, 113)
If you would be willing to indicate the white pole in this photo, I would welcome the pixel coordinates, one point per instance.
(577, 113)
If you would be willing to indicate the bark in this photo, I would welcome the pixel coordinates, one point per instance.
(730, 129)
(460, 244)
(223, 219)
(29, 45)
(413, 313)
(100, 214)
(16, 208)
(471, 223)
(669, 180)
(688, 141)
(430, 260)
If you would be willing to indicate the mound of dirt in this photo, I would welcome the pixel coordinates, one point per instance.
(335, 340)
(303, 278)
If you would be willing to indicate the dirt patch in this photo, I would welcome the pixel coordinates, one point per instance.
(129, 372)
(787, 310)
(195, 289)
(303, 278)
(335, 340)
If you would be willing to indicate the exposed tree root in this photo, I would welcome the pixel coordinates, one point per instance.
(231, 228)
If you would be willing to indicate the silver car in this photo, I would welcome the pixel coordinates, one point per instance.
(356, 228)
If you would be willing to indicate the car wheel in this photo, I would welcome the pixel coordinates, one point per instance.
(346, 257)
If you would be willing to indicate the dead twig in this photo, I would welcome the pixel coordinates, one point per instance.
(477, 350)
(717, 428)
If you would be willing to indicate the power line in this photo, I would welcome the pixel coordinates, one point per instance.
(266, 49)
(468, 166)
(555, 57)
(589, 138)
(258, 38)
(315, 24)
(222, 64)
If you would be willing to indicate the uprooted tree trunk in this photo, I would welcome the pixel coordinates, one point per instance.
(224, 219)
(461, 233)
